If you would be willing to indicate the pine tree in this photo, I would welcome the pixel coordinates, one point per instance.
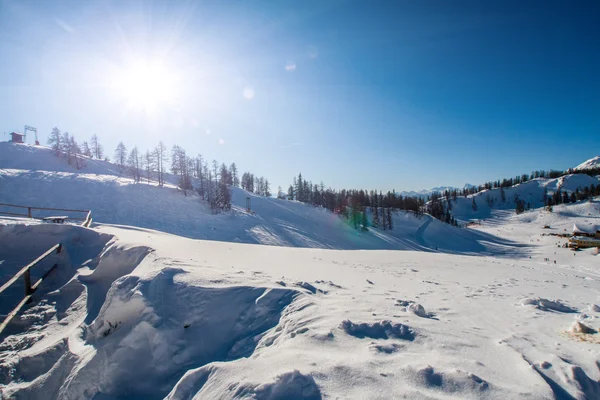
(364, 221)
(97, 149)
(280, 194)
(389, 218)
(54, 140)
(160, 157)
(121, 155)
(375, 215)
(224, 191)
(76, 154)
(66, 146)
(234, 175)
(149, 165)
(133, 163)
(85, 149)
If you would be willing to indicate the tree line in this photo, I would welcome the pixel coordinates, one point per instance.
(562, 197)
(212, 183)
(353, 204)
(510, 182)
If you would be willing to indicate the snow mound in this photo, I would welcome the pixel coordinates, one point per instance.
(151, 330)
(386, 348)
(289, 386)
(595, 307)
(591, 163)
(448, 381)
(548, 305)
(378, 330)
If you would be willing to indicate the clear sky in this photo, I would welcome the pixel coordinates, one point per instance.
(401, 94)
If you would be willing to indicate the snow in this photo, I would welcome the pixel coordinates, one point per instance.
(589, 229)
(26, 171)
(591, 163)
(499, 311)
(531, 192)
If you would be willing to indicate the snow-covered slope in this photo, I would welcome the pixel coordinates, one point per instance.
(133, 313)
(141, 314)
(531, 192)
(591, 163)
(35, 176)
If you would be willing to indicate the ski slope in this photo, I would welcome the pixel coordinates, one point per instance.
(33, 175)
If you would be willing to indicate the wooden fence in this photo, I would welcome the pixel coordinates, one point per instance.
(29, 288)
(87, 218)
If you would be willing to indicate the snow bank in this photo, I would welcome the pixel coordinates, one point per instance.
(187, 319)
(548, 305)
(378, 330)
(151, 330)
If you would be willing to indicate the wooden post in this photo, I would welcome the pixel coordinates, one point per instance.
(27, 277)
(29, 212)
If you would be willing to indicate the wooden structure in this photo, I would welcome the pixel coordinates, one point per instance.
(86, 218)
(56, 220)
(16, 137)
(30, 289)
(583, 242)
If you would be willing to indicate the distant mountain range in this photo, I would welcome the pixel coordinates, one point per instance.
(427, 192)
(591, 163)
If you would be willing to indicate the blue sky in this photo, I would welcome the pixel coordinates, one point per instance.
(402, 94)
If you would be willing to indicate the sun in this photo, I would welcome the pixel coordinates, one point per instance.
(144, 85)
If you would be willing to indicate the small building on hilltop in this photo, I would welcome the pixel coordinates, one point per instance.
(16, 137)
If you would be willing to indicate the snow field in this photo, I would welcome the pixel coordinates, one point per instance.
(185, 318)
(497, 311)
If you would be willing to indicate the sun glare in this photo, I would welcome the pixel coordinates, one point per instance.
(144, 85)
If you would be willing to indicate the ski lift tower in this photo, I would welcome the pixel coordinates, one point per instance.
(32, 129)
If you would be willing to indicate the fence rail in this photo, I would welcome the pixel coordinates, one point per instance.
(87, 220)
(30, 289)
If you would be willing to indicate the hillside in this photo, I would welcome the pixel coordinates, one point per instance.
(33, 175)
(589, 164)
(531, 192)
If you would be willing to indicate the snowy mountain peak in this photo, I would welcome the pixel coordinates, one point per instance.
(427, 192)
(591, 163)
